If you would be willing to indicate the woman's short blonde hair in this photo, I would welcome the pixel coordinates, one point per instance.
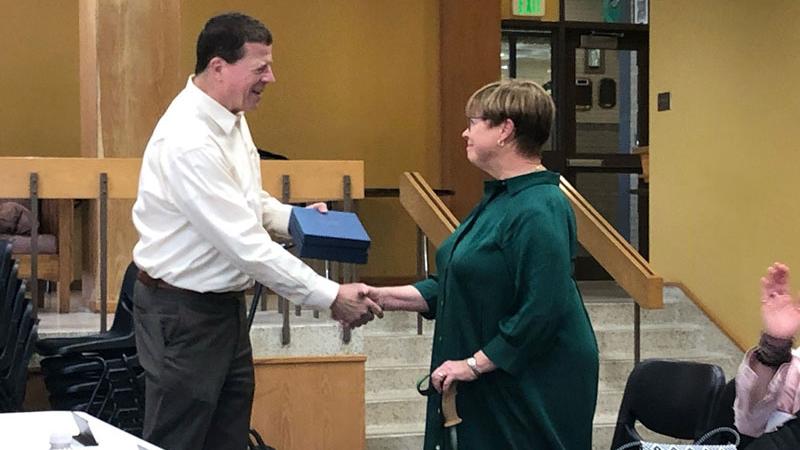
(526, 103)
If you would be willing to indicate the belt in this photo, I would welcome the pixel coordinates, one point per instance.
(154, 283)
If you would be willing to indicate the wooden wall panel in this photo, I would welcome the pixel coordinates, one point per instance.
(310, 403)
(129, 65)
(470, 58)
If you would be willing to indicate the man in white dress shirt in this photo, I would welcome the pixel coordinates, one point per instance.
(202, 219)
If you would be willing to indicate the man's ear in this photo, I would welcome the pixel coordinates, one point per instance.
(215, 66)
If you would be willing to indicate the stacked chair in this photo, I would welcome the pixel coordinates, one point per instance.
(100, 373)
(18, 332)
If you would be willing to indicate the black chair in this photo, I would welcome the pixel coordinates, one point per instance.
(672, 398)
(119, 336)
(6, 262)
(14, 377)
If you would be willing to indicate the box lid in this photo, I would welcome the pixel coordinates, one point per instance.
(332, 229)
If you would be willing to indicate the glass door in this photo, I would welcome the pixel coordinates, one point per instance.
(605, 119)
(598, 75)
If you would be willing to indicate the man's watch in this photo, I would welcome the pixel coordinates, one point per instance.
(473, 364)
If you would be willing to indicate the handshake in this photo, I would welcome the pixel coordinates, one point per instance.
(356, 304)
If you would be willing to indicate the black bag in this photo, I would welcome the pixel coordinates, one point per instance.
(254, 442)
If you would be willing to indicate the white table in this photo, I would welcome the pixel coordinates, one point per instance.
(32, 430)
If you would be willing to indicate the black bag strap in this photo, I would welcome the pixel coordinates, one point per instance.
(254, 441)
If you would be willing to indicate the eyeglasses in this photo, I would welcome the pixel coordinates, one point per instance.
(471, 121)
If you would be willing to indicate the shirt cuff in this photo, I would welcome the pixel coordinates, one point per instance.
(322, 294)
(428, 289)
(503, 355)
(279, 220)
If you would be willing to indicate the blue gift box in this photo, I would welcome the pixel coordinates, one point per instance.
(335, 236)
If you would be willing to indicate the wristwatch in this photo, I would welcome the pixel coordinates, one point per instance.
(473, 364)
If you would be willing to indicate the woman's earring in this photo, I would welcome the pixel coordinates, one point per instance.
(501, 143)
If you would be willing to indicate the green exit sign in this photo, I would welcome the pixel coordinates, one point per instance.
(533, 8)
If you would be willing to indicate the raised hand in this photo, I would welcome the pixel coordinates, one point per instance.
(352, 308)
(780, 313)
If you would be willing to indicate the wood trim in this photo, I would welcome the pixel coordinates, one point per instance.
(313, 180)
(71, 178)
(272, 360)
(426, 208)
(707, 311)
(77, 178)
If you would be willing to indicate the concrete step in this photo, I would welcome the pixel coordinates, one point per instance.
(614, 342)
(665, 340)
(395, 407)
(395, 437)
(393, 377)
(622, 313)
(397, 348)
(614, 371)
(400, 321)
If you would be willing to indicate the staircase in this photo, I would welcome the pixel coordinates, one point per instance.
(397, 358)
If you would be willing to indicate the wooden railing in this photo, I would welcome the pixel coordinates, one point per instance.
(100, 180)
(625, 265)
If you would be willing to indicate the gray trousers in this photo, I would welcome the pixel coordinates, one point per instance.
(196, 354)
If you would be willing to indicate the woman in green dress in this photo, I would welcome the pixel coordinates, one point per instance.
(511, 327)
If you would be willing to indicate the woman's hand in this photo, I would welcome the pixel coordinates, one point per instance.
(451, 371)
(780, 313)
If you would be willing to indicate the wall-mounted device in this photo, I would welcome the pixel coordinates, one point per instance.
(607, 95)
(583, 94)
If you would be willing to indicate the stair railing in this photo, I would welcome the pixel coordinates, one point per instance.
(625, 265)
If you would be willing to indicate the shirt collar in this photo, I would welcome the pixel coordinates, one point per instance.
(521, 182)
(212, 108)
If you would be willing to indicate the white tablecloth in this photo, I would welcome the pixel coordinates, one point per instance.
(32, 430)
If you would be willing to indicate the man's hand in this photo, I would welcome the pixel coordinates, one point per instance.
(779, 312)
(321, 207)
(352, 308)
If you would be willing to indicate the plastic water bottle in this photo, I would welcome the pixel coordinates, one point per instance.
(60, 440)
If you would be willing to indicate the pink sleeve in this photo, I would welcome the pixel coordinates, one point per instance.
(757, 397)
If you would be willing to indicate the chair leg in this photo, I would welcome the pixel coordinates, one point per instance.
(41, 291)
(63, 294)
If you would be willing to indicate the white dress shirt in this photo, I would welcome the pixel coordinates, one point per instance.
(202, 215)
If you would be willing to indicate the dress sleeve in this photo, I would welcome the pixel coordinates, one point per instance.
(536, 247)
(429, 289)
(758, 397)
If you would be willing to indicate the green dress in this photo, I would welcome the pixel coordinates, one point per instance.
(505, 286)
